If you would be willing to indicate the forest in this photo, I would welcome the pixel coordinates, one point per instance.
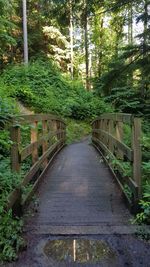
(85, 58)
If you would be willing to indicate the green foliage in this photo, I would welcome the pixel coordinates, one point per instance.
(8, 180)
(10, 228)
(7, 109)
(11, 241)
(5, 143)
(144, 215)
(46, 90)
(125, 166)
(77, 130)
(7, 105)
(125, 102)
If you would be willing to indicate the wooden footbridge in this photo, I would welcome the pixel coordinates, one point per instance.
(76, 184)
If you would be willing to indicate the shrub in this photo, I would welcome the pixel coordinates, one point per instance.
(42, 87)
(10, 228)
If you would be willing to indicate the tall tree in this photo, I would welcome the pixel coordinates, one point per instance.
(71, 35)
(25, 34)
(86, 43)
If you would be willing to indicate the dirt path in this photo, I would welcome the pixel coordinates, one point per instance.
(79, 201)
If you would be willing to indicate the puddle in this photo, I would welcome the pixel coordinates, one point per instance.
(79, 251)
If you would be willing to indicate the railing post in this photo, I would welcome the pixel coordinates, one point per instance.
(45, 142)
(119, 136)
(99, 127)
(93, 127)
(65, 133)
(102, 127)
(137, 156)
(110, 130)
(15, 137)
(59, 129)
(34, 138)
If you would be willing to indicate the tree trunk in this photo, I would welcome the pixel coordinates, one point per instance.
(130, 24)
(130, 40)
(71, 37)
(100, 53)
(86, 44)
(144, 83)
(25, 35)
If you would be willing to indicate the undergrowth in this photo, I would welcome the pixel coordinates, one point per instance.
(42, 87)
(77, 130)
(10, 227)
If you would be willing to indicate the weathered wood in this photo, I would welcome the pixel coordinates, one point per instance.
(14, 195)
(131, 203)
(34, 138)
(119, 137)
(136, 144)
(45, 143)
(38, 164)
(122, 117)
(36, 184)
(109, 138)
(113, 141)
(27, 151)
(15, 137)
(18, 155)
(29, 119)
(110, 131)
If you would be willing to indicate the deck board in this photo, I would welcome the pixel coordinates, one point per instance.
(79, 190)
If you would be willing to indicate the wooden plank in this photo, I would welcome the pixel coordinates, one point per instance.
(34, 138)
(36, 184)
(110, 132)
(112, 140)
(44, 143)
(12, 198)
(137, 156)
(132, 204)
(27, 151)
(29, 119)
(104, 148)
(133, 186)
(37, 165)
(122, 117)
(15, 138)
(119, 137)
(15, 195)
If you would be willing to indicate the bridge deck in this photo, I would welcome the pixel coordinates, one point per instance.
(78, 192)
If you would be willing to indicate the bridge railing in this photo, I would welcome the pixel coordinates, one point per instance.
(117, 137)
(47, 136)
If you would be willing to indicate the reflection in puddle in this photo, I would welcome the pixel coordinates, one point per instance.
(79, 250)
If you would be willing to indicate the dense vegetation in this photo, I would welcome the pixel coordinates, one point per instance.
(86, 57)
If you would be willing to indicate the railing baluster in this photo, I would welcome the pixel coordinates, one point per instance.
(15, 137)
(119, 137)
(34, 138)
(45, 142)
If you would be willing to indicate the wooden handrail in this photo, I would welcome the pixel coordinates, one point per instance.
(51, 139)
(118, 117)
(108, 137)
(25, 119)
